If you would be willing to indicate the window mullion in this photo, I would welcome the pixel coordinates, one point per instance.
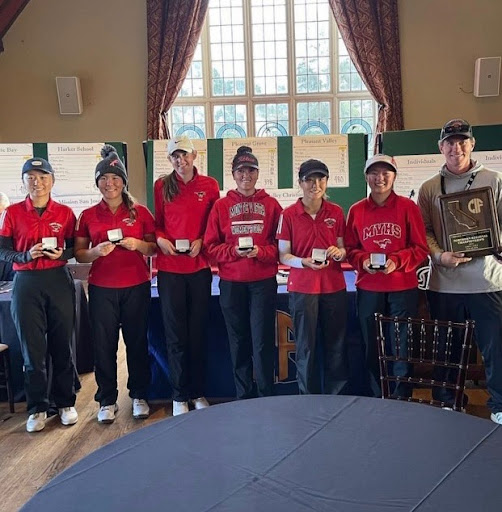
(248, 42)
(291, 67)
(333, 34)
(206, 77)
(206, 59)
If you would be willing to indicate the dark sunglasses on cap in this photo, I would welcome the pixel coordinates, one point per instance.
(456, 128)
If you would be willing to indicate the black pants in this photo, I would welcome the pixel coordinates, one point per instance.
(184, 300)
(109, 310)
(402, 303)
(249, 310)
(43, 310)
(486, 310)
(329, 311)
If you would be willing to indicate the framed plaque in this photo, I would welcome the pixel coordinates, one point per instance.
(470, 222)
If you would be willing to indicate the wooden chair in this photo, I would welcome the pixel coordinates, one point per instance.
(5, 374)
(444, 347)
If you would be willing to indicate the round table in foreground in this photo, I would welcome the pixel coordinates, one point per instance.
(292, 454)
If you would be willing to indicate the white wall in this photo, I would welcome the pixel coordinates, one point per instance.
(440, 41)
(104, 43)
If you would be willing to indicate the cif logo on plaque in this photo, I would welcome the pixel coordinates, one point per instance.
(475, 205)
(470, 222)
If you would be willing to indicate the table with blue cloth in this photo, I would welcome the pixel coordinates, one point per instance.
(299, 453)
(81, 341)
(219, 377)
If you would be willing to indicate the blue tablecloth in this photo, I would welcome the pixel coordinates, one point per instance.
(219, 382)
(292, 454)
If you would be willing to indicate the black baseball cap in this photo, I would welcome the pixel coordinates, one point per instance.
(312, 166)
(37, 164)
(456, 127)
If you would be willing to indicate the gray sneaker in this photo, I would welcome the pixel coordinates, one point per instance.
(180, 408)
(200, 403)
(496, 417)
(106, 413)
(140, 409)
(36, 422)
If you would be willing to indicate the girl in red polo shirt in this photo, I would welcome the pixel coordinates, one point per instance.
(316, 286)
(36, 235)
(183, 200)
(240, 237)
(114, 236)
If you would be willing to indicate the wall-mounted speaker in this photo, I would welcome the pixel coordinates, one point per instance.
(69, 94)
(487, 76)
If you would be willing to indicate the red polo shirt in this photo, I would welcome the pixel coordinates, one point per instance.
(305, 234)
(121, 268)
(26, 227)
(184, 218)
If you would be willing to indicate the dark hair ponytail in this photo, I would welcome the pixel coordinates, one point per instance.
(241, 150)
(129, 201)
(170, 188)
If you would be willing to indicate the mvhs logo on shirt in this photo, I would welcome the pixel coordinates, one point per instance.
(382, 243)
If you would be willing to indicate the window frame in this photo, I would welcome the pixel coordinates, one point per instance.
(250, 99)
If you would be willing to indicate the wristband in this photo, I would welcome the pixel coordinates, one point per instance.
(295, 262)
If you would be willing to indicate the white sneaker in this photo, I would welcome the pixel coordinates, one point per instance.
(68, 415)
(106, 413)
(140, 409)
(180, 408)
(496, 417)
(36, 422)
(200, 403)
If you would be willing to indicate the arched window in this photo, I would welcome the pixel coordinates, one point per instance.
(271, 68)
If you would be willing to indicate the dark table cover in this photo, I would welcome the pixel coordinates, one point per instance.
(292, 453)
(81, 342)
(219, 378)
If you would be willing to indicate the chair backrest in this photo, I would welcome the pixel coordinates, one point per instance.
(434, 344)
(424, 273)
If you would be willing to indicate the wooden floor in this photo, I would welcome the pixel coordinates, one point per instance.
(28, 461)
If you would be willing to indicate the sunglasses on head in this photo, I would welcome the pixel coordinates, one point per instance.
(456, 128)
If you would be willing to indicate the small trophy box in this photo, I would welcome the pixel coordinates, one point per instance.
(319, 256)
(49, 243)
(377, 260)
(115, 235)
(245, 243)
(182, 246)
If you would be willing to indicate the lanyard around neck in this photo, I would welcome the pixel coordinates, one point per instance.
(467, 185)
